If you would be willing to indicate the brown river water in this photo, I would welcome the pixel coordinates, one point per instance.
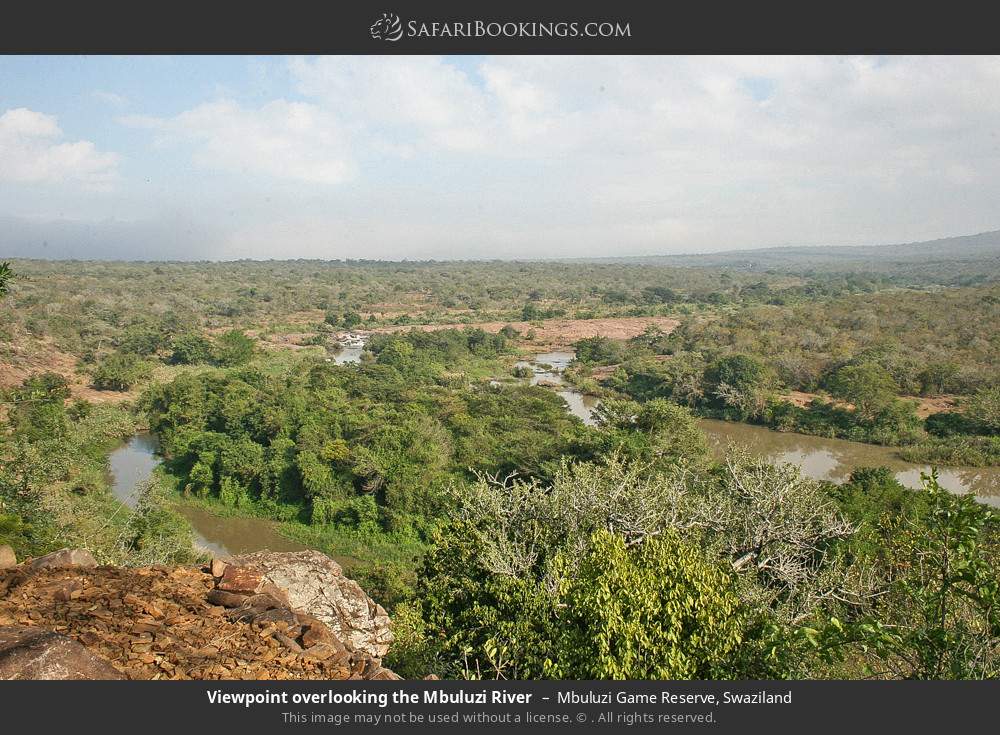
(819, 458)
(132, 463)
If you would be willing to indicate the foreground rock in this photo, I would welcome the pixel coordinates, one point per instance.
(33, 653)
(64, 558)
(7, 557)
(311, 582)
(174, 623)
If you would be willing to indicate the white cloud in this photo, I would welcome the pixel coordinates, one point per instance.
(31, 151)
(556, 156)
(285, 140)
(409, 100)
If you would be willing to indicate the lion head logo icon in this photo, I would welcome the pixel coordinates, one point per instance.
(387, 28)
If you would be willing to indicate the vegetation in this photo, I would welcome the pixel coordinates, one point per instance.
(53, 485)
(751, 572)
(120, 371)
(507, 538)
(6, 276)
(849, 366)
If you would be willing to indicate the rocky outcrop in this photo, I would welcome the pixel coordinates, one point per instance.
(180, 622)
(311, 582)
(64, 558)
(299, 632)
(34, 653)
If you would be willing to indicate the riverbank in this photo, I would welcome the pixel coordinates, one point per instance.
(221, 530)
(818, 457)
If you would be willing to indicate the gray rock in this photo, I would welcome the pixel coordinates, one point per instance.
(315, 584)
(7, 557)
(64, 558)
(35, 653)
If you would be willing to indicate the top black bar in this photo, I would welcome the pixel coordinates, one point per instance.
(515, 26)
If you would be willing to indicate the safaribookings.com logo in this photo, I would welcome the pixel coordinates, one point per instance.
(387, 28)
(390, 28)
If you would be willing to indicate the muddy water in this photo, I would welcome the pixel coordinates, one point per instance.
(819, 458)
(547, 367)
(835, 459)
(348, 355)
(230, 535)
(581, 405)
(131, 465)
(353, 346)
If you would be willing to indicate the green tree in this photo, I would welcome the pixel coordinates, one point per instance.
(654, 432)
(598, 350)
(984, 408)
(940, 616)
(950, 606)
(661, 609)
(868, 386)
(190, 349)
(120, 371)
(659, 295)
(6, 276)
(938, 377)
(530, 312)
(482, 623)
(740, 385)
(233, 348)
(142, 339)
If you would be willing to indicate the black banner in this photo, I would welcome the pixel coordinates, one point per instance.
(447, 26)
(360, 706)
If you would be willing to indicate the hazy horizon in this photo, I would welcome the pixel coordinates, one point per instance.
(482, 158)
(457, 258)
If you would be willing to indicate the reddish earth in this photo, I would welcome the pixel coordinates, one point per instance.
(43, 356)
(799, 398)
(926, 406)
(290, 341)
(549, 333)
(936, 404)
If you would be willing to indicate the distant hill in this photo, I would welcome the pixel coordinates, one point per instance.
(969, 255)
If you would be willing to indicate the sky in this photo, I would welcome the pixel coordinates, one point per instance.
(421, 157)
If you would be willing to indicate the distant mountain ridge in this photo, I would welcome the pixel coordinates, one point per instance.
(980, 248)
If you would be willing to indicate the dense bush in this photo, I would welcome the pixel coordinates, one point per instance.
(190, 349)
(121, 371)
(54, 486)
(373, 444)
(663, 609)
(510, 584)
(233, 348)
(599, 350)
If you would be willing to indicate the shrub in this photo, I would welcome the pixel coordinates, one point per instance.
(233, 348)
(598, 350)
(120, 372)
(190, 349)
(984, 408)
(659, 610)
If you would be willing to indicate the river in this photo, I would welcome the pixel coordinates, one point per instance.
(132, 463)
(352, 344)
(817, 457)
